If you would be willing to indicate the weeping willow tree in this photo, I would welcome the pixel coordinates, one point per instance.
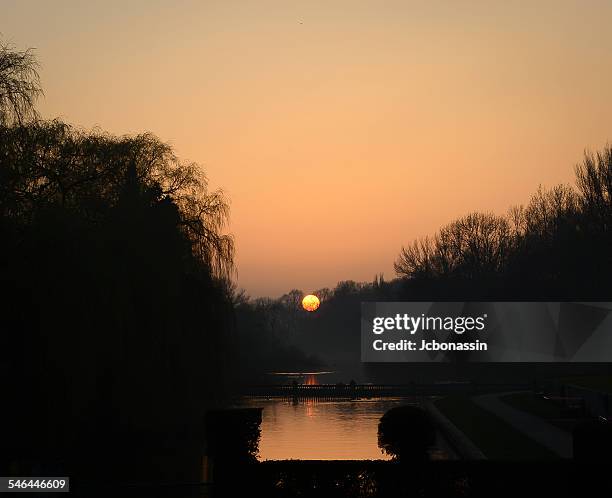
(44, 162)
(51, 163)
(114, 277)
(19, 85)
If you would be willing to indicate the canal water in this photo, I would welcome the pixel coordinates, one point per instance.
(327, 430)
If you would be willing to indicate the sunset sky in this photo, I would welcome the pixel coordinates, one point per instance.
(340, 130)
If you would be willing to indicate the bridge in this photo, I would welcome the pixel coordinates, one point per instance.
(368, 391)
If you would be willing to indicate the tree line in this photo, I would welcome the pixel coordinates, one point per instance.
(558, 246)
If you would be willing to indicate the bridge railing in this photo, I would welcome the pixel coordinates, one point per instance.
(373, 390)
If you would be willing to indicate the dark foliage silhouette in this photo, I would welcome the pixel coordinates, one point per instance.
(406, 433)
(233, 436)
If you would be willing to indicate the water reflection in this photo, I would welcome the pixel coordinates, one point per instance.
(311, 380)
(304, 378)
(322, 430)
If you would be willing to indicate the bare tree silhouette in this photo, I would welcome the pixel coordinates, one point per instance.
(559, 244)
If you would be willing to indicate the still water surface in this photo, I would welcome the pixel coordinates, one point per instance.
(322, 430)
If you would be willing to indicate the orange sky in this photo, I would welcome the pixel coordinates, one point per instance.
(340, 129)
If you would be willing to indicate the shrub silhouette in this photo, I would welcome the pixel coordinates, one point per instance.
(405, 433)
(232, 437)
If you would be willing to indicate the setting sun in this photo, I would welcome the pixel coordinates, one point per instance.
(311, 302)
